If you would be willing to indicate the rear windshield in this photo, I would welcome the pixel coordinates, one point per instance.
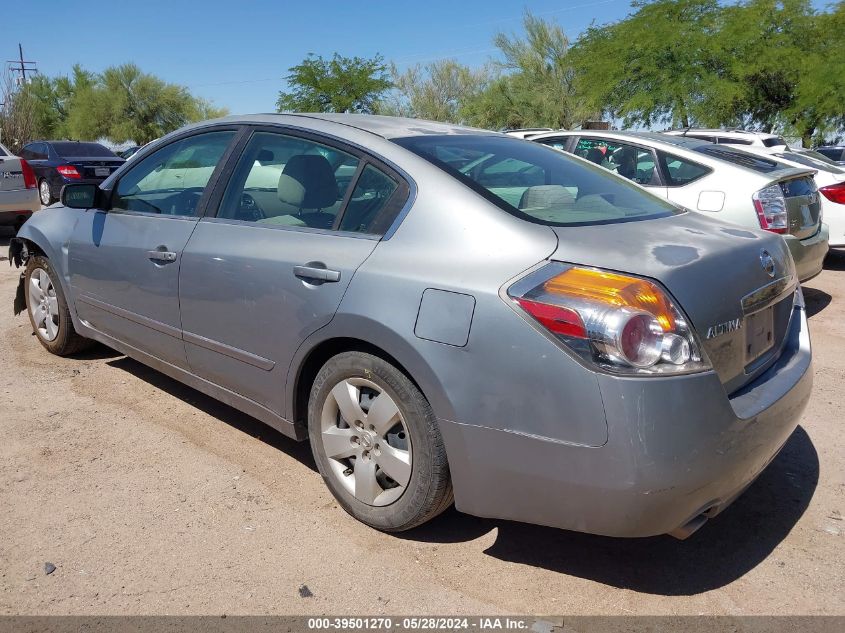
(538, 183)
(3, 151)
(738, 157)
(776, 140)
(811, 161)
(86, 150)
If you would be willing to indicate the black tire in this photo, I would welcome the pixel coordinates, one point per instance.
(50, 199)
(429, 489)
(67, 341)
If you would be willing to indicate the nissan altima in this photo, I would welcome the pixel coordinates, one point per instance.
(445, 314)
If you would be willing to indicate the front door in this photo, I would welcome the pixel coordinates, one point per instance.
(296, 220)
(124, 262)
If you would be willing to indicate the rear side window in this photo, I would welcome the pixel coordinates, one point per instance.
(82, 150)
(679, 171)
(833, 153)
(289, 181)
(776, 140)
(735, 141)
(738, 157)
(557, 143)
(537, 183)
(3, 152)
(374, 193)
(629, 161)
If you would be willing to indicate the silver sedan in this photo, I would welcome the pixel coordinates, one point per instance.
(443, 313)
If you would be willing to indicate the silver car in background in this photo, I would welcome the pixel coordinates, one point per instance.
(18, 190)
(715, 179)
(444, 313)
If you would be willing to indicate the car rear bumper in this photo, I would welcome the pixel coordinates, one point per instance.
(809, 253)
(16, 203)
(679, 451)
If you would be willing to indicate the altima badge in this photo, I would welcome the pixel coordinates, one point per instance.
(767, 262)
(723, 328)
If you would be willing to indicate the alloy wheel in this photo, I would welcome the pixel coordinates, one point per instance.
(365, 437)
(43, 304)
(44, 192)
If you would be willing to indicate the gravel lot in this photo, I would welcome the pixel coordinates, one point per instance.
(149, 497)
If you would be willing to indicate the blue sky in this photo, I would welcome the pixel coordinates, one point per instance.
(236, 54)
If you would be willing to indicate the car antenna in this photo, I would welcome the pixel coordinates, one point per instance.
(686, 129)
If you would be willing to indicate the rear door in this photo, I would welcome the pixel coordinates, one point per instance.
(124, 263)
(299, 215)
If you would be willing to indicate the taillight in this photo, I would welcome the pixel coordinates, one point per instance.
(68, 171)
(619, 322)
(29, 180)
(770, 205)
(834, 193)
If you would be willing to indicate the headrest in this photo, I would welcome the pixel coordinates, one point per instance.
(308, 182)
(546, 196)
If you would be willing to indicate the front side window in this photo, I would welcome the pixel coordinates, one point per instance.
(537, 183)
(629, 161)
(679, 171)
(774, 141)
(171, 181)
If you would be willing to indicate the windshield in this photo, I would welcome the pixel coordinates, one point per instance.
(538, 183)
(80, 150)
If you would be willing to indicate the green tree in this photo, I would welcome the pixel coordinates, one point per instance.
(436, 91)
(339, 84)
(536, 86)
(662, 64)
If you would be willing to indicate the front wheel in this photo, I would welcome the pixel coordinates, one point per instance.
(376, 443)
(44, 193)
(48, 310)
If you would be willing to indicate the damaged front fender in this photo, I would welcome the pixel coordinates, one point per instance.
(18, 254)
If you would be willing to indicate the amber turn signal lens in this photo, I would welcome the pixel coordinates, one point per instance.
(614, 289)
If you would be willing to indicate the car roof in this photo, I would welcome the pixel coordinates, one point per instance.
(658, 137)
(385, 126)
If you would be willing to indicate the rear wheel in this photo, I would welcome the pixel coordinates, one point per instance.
(376, 443)
(48, 310)
(44, 193)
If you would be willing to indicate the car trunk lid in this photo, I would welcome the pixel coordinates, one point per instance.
(719, 273)
(803, 205)
(94, 168)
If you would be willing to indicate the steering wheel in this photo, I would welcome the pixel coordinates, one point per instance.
(186, 201)
(248, 209)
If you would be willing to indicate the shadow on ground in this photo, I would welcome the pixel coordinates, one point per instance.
(815, 300)
(301, 451)
(724, 550)
(835, 260)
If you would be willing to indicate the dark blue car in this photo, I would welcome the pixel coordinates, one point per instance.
(58, 163)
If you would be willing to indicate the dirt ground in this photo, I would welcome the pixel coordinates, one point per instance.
(149, 497)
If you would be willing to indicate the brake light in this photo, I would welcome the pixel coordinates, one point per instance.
(29, 180)
(68, 171)
(770, 205)
(619, 322)
(834, 193)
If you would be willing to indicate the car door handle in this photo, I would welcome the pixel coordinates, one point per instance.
(162, 256)
(316, 273)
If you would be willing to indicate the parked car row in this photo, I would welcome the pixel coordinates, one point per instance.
(453, 314)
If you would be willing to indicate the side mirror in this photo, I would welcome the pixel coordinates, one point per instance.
(82, 196)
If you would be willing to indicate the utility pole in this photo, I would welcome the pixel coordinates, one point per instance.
(22, 66)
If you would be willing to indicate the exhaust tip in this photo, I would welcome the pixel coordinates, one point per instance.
(690, 527)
